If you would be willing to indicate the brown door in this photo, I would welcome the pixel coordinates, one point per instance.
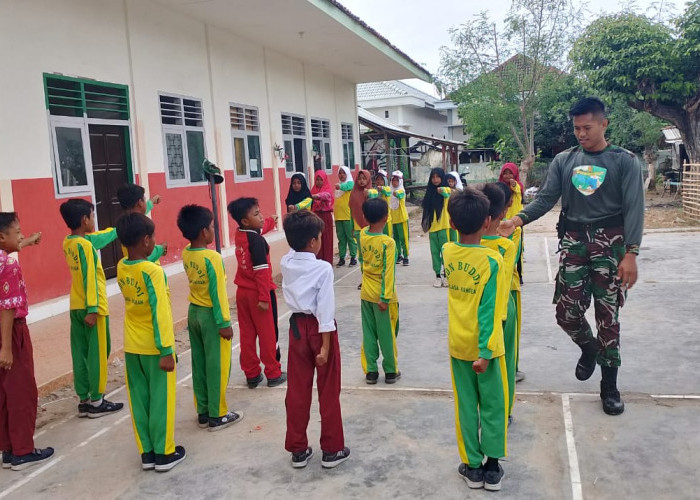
(109, 170)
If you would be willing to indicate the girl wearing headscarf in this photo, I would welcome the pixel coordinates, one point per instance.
(510, 175)
(299, 196)
(399, 216)
(454, 181)
(383, 191)
(323, 199)
(436, 220)
(343, 219)
(358, 195)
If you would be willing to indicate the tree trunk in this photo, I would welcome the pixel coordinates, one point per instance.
(650, 157)
(525, 166)
(691, 136)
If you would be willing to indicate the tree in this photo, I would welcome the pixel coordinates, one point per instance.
(495, 75)
(654, 67)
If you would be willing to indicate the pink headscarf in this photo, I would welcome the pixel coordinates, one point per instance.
(516, 174)
(327, 196)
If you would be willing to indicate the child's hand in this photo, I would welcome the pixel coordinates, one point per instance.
(337, 186)
(156, 199)
(383, 306)
(165, 248)
(506, 228)
(34, 239)
(291, 209)
(226, 333)
(6, 358)
(480, 365)
(322, 357)
(90, 319)
(263, 306)
(167, 363)
(275, 218)
(513, 183)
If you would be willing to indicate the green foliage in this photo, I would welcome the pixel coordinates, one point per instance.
(637, 131)
(638, 59)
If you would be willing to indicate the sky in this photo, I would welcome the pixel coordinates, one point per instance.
(420, 27)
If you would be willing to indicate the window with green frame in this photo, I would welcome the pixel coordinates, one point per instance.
(71, 103)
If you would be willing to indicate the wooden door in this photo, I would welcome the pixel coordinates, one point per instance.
(109, 169)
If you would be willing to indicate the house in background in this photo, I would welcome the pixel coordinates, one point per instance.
(105, 92)
(411, 109)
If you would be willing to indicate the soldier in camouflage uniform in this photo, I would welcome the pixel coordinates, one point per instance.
(600, 229)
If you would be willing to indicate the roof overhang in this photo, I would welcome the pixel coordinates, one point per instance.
(672, 135)
(318, 32)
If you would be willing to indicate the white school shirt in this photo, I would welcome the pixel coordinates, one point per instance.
(307, 286)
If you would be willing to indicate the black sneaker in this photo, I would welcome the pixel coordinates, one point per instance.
(105, 408)
(399, 260)
(405, 261)
(359, 287)
(372, 377)
(216, 424)
(586, 363)
(166, 462)
(274, 382)
(83, 409)
(510, 420)
(38, 456)
(612, 403)
(254, 382)
(519, 376)
(203, 421)
(6, 459)
(299, 460)
(391, 378)
(473, 477)
(341, 263)
(148, 460)
(492, 479)
(331, 460)
(353, 261)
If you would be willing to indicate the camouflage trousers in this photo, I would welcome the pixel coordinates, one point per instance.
(588, 268)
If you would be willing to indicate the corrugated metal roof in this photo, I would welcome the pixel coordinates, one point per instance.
(672, 135)
(391, 89)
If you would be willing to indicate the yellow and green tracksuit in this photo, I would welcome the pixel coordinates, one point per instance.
(517, 239)
(304, 204)
(439, 232)
(507, 250)
(90, 345)
(343, 221)
(475, 330)
(208, 313)
(148, 336)
(377, 254)
(383, 192)
(399, 217)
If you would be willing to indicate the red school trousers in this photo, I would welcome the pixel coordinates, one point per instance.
(256, 324)
(301, 363)
(18, 395)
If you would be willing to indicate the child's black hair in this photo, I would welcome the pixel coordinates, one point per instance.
(468, 210)
(7, 219)
(433, 201)
(375, 210)
(506, 191)
(74, 210)
(301, 227)
(496, 199)
(131, 228)
(240, 207)
(192, 219)
(129, 195)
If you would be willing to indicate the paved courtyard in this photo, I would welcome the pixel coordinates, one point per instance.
(402, 437)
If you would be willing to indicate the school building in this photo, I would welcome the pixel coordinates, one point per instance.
(97, 93)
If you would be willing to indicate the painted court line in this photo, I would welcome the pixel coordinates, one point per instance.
(549, 260)
(574, 474)
(31, 476)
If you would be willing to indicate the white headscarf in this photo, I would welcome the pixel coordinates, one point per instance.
(348, 177)
(394, 202)
(458, 180)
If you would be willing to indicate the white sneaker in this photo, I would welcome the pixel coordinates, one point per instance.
(444, 282)
(438, 282)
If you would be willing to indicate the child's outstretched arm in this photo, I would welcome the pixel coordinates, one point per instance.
(102, 238)
(34, 239)
(269, 224)
(153, 201)
(158, 252)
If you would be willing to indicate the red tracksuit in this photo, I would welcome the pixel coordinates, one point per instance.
(254, 280)
(301, 364)
(18, 392)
